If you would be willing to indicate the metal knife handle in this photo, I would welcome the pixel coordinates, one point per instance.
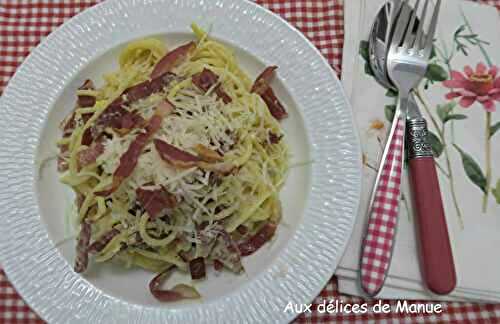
(380, 234)
(435, 251)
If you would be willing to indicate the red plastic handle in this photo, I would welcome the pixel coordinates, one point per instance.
(376, 250)
(435, 250)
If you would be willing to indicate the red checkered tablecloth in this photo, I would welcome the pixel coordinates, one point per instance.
(24, 23)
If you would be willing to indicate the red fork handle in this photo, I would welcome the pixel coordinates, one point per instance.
(434, 242)
(435, 250)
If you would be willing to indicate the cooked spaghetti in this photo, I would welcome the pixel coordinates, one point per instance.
(176, 161)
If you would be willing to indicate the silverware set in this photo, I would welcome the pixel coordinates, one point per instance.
(400, 47)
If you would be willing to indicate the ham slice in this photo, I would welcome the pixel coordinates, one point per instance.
(261, 87)
(206, 79)
(128, 161)
(101, 243)
(175, 156)
(173, 59)
(183, 160)
(255, 242)
(117, 117)
(155, 201)
(82, 257)
(197, 268)
(177, 293)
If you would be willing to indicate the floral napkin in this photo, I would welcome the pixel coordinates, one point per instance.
(460, 98)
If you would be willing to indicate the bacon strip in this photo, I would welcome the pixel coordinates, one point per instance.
(261, 87)
(101, 242)
(182, 159)
(175, 156)
(177, 293)
(197, 268)
(155, 201)
(82, 257)
(129, 159)
(90, 154)
(172, 59)
(206, 79)
(116, 116)
(255, 242)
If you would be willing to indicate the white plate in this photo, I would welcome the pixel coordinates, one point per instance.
(320, 200)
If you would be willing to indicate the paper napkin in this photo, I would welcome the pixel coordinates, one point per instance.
(465, 125)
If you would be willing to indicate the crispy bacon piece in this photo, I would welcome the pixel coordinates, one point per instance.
(102, 241)
(256, 241)
(173, 59)
(129, 159)
(90, 154)
(182, 159)
(261, 87)
(262, 82)
(86, 101)
(197, 268)
(117, 117)
(155, 201)
(175, 156)
(206, 79)
(207, 154)
(82, 257)
(177, 293)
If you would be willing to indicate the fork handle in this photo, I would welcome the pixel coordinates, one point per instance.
(376, 251)
(435, 250)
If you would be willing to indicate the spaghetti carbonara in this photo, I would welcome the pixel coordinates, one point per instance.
(177, 161)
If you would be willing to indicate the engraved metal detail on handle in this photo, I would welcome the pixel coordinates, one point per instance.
(417, 141)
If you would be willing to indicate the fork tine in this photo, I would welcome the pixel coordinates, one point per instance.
(409, 39)
(420, 34)
(401, 25)
(432, 30)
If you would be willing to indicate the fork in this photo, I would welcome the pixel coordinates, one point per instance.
(407, 61)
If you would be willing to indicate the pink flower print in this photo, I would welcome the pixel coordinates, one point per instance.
(481, 85)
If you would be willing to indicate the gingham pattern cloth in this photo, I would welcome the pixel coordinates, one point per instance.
(23, 23)
(381, 231)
